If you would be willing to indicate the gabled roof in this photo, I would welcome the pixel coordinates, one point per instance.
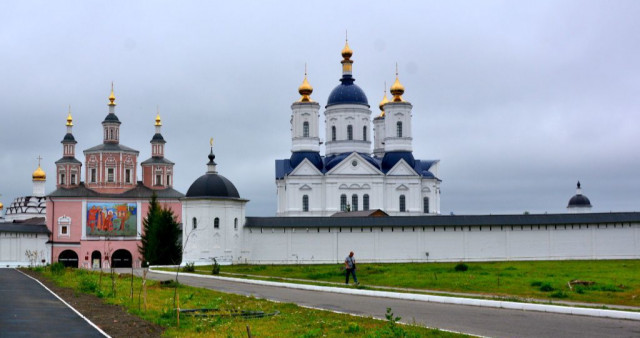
(140, 191)
(111, 147)
(157, 160)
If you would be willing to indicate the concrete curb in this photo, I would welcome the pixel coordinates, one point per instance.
(616, 314)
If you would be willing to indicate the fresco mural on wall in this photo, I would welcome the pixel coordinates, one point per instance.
(111, 219)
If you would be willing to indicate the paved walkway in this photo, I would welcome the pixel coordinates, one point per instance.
(27, 309)
(432, 292)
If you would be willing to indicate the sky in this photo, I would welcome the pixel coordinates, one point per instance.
(518, 100)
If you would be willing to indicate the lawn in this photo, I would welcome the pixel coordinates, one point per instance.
(289, 320)
(616, 281)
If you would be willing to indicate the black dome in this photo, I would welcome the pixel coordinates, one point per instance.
(111, 118)
(212, 185)
(347, 92)
(579, 201)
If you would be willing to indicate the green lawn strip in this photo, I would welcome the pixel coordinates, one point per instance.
(290, 321)
(617, 282)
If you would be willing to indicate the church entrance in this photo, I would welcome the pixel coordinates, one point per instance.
(121, 259)
(69, 258)
(96, 260)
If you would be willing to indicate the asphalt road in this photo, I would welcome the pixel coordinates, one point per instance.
(474, 320)
(27, 309)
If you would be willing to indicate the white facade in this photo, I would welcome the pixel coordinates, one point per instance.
(291, 245)
(212, 228)
(349, 176)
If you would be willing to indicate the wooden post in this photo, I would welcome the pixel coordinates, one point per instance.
(178, 308)
(248, 331)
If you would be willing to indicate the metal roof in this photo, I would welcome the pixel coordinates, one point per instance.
(140, 191)
(443, 221)
(34, 225)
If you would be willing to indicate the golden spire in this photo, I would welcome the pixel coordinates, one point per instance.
(397, 89)
(384, 100)
(112, 97)
(69, 118)
(158, 120)
(39, 174)
(305, 88)
(1, 206)
(346, 51)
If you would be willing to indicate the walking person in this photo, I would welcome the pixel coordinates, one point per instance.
(350, 267)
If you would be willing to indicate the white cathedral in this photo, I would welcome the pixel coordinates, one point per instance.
(350, 176)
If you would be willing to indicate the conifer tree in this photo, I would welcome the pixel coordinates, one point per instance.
(160, 242)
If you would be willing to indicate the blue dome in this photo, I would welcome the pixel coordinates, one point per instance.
(335, 160)
(391, 158)
(347, 92)
(312, 156)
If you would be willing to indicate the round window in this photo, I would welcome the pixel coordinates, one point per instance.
(354, 163)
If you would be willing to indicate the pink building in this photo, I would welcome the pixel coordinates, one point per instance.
(97, 223)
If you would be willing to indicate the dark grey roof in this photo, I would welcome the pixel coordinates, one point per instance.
(157, 138)
(212, 185)
(68, 160)
(111, 147)
(34, 225)
(68, 138)
(140, 191)
(442, 221)
(579, 201)
(111, 118)
(157, 160)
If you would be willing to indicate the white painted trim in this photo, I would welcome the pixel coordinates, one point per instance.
(67, 304)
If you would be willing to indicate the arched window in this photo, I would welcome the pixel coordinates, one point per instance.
(364, 133)
(111, 134)
(349, 132)
(354, 202)
(305, 129)
(403, 206)
(333, 133)
(216, 223)
(399, 129)
(235, 223)
(305, 203)
(343, 202)
(194, 222)
(425, 204)
(365, 202)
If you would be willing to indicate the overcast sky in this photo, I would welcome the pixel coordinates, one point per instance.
(518, 100)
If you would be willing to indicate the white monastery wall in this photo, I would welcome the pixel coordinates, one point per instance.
(476, 243)
(13, 248)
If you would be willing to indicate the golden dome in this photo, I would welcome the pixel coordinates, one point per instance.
(1, 205)
(39, 175)
(112, 97)
(69, 120)
(305, 90)
(382, 103)
(346, 51)
(158, 120)
(397, 89)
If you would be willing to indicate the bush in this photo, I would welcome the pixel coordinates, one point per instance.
(352, 328)
(559, 294)
(57, 268)
(87, 285)
(536, 283)
(189, 267)
(546, 287)
(461, 267)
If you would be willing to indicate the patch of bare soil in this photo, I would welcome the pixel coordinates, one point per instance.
(112, 319)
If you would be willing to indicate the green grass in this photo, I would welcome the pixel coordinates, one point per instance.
(292, 320)
(617, 281)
